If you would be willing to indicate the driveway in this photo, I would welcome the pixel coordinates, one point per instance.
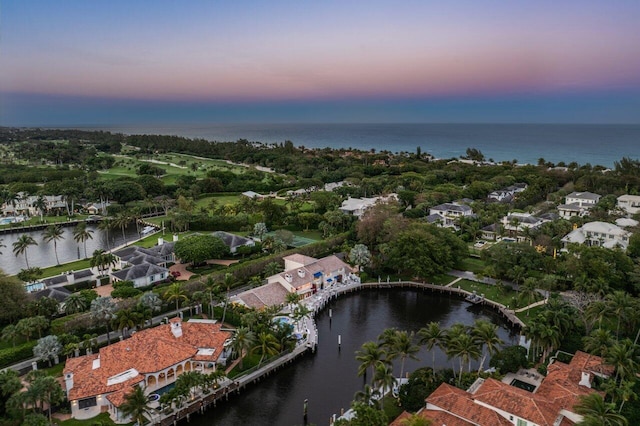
(182, 269)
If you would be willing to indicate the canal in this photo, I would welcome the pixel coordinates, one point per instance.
(68, 249)
(328, 378)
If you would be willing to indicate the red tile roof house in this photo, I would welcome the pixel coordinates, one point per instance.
(490, 402)
(152, 358)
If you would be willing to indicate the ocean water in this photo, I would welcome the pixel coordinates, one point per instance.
(596, 144)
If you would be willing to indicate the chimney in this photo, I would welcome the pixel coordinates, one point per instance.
(288, 277)
(301, 273)
(586, 380)
(176, 327)
(68, 382)
(160, 241)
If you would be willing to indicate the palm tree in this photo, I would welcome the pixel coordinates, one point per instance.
(81, 234)
(177, 293)
(486, 335)
(136, 405)
(619, 303)
(46, 390)
(432, 336)
(106, 225)
(21, 246)
(243, 340)
(151, 302)
(528, 292)
(369, 396)
(598, 342)
(10, 332)
(383, 378)
(74, 303)
(415, 420)
(53, 233)
(625, 357)
(370, 355)
(465, 348)
(597, 412)
(266, 344)
(102, 260)
(126, 318)
(387, 337)
(122, 220)
(41, 205)
(403, 348)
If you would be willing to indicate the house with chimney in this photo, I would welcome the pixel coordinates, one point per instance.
(152, 359)
(493, 402)
(578, 204)
(302, 274)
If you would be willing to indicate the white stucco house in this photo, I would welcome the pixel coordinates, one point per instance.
(448, 215)
(630, 204)
(578, 204)
(598, 234)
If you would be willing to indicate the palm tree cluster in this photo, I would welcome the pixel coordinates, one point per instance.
(29, 405)
(464, 343)
(549, 328)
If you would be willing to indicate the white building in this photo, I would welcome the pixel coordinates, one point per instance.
(448, 215)
(629, 203)
(598, 234)
(357, 206)
(578, 204)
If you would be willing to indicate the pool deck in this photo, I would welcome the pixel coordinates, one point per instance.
(529, 376)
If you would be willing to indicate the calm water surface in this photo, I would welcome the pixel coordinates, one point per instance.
(329, 378)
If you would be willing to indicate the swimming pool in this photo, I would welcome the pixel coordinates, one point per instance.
(523, 385)
(283, 320)
(33, 287)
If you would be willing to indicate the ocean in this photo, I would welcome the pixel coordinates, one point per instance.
(596, 144)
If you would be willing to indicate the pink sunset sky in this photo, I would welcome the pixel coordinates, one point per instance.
(214, 53)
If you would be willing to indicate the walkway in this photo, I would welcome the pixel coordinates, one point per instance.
(533, 305)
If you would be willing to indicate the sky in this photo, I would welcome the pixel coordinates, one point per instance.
(67, 62)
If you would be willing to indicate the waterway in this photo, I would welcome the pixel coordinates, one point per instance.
(328, 378)
(68, 249)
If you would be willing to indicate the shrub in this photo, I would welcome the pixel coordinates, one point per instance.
(12, 355)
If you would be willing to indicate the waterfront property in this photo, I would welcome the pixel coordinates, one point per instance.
(303, 275)
(493, 402)
(152, 358)
(144, 266)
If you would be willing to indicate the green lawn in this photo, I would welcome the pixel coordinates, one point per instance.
(533, 312)
(71, 266)
(441, 279)
(472, 264)
(491, 292)
(102, 419)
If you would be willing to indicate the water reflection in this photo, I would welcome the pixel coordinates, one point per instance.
(69, 250)
(329, 378)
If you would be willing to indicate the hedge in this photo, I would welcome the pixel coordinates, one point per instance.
(9, 356)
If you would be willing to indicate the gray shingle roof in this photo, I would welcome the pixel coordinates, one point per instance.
(139, 271)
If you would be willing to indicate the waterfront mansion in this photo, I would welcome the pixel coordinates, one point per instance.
(151, 358)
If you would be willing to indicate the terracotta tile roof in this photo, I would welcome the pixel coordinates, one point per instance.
(148, 351)
(591, 363)
(437, 418)
(516, 401)
(461, 404)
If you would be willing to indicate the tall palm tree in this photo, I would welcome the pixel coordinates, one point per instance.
(465, 349)
(403, 347)
(41, 205)
(486, 335)
(136, 405)
(527, 293)
(122, 220)
(243, 340)
(46, 390)
(383, 378)
(102, 261)
(106, 225)
(370, 355)
(598, 342)
(21, 245)
(596, 411)
(387, 337)
(177, 293)
(619, 303)
(126, 318)
(53, 233)
(266, 344)
(81, 234)
(625, 357)
(432, 336)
